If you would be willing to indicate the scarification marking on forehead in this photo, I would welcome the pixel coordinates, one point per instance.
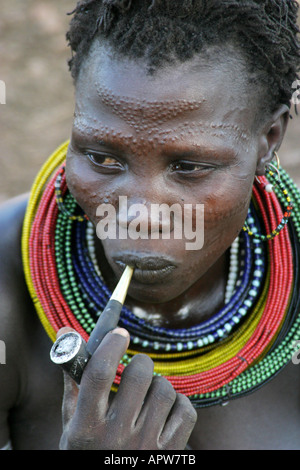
(215, 129)
(143, 113)
(91, 126)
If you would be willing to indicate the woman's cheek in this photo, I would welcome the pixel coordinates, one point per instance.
(82, 186)
(225, 211)
(90, 189)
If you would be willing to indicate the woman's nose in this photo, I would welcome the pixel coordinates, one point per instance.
(143, 216)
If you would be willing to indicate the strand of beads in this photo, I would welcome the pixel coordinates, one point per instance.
(49, 167)
(44, 268)
(294, 194)
(67, 272)
(60, 198)
(92, 249)
(275, 182)
(233, 270)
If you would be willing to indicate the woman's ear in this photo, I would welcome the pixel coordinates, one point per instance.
(271, 138)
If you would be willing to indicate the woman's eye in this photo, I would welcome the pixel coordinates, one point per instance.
(189, 167)
(103, 160)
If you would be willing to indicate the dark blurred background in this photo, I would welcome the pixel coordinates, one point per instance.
(38, 112)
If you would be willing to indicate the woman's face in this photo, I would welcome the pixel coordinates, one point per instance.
(180, 136)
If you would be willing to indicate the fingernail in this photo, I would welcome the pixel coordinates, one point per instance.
(120, 331)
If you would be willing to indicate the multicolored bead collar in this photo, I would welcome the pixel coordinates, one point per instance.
(232, 354)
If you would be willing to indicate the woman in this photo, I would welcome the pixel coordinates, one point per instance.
(179, 103)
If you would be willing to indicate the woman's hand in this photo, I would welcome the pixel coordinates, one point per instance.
(145, 413)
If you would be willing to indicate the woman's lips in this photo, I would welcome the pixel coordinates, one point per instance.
(147, 269)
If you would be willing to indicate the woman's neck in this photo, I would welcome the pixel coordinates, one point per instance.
(198, 303)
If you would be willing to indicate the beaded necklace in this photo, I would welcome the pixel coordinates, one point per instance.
(233, 353)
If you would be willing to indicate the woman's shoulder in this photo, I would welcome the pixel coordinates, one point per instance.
(14, 294)
(17, 318)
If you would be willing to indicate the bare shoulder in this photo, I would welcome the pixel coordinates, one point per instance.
(14, 305)
(12, 283)
(31, 387)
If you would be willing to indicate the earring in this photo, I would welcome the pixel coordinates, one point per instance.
(273, 181)
(270, 173)
(60, 200)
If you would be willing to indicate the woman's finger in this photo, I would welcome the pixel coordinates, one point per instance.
(71, 391)
(135, 382)
(99, 375)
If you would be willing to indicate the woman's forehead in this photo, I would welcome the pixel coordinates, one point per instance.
(211, 92)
